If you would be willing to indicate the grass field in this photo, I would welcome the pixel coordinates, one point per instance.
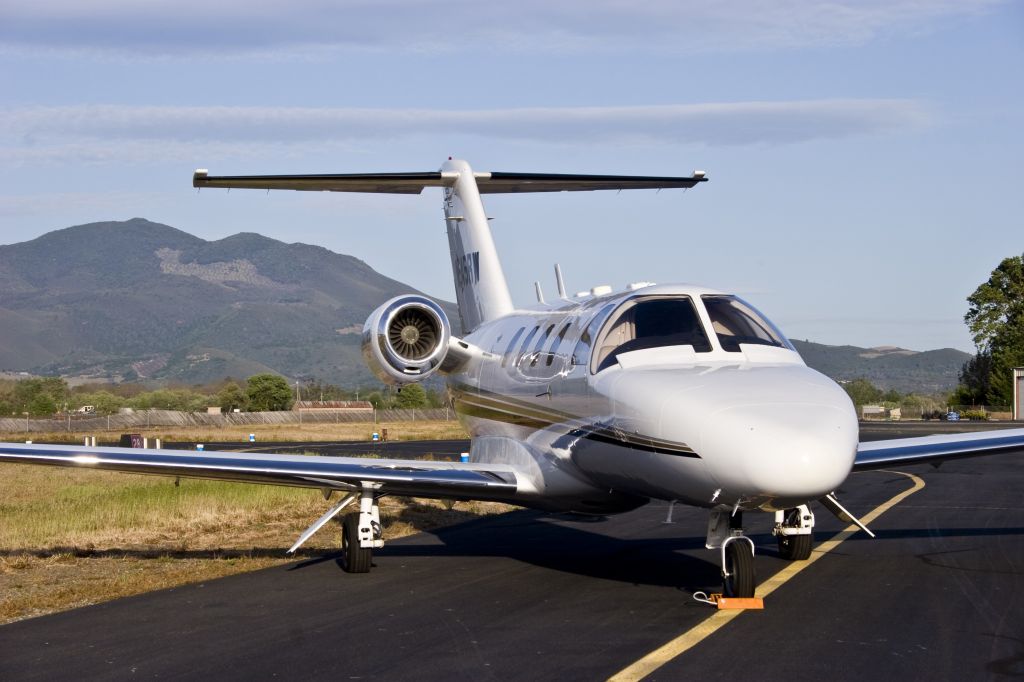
(407, 430)
(71, 537)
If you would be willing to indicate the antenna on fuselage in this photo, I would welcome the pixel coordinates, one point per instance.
(540, 293)
(559, 282)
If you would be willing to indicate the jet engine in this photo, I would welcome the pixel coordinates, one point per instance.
(406, 339)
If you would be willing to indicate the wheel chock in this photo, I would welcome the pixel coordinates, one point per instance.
(722, 602)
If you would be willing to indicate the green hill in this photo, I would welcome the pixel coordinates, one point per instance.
(137, 299)
(888, 367)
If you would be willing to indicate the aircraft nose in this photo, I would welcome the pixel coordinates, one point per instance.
(784, 454)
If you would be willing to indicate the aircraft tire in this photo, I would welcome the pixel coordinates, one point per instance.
(739, 562)
(795, 547)
(354, 559)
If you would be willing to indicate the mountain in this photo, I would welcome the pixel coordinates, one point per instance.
(138, 299)
(888, 367)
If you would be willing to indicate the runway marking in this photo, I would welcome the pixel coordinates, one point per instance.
(697, 634)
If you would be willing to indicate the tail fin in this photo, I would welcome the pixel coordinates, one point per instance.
(480, 286)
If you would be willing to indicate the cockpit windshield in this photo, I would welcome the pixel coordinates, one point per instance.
(650, 323)
(735, 321)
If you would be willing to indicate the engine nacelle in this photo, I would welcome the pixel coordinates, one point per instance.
(406, 339)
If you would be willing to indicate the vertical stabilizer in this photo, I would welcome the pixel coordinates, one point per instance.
(480, 287)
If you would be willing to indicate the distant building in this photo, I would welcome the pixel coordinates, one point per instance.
(1018, 392)
(213, 409)
(346, 406)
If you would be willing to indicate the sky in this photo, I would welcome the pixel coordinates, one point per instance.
(864, 157)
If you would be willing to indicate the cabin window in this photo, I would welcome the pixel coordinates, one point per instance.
(511, 345)
(528, 339)
(735, 321)
(650, 323)
(557, 342)
(581, 354)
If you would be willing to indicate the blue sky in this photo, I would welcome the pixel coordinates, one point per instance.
(864, 157)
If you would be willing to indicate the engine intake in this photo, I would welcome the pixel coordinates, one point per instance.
(406, 339)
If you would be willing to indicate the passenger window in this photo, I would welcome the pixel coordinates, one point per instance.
(527, 340)
(736, 321)
(651, 323)
(557, 342)
(511, 345)
(581, 354)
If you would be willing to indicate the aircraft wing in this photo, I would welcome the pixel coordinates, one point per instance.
(397, 476)
(414, 183)
(881, 454)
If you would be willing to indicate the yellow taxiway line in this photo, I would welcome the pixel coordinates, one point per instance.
(695, 635)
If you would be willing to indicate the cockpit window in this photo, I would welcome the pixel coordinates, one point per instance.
(650, 323)
(735, 321)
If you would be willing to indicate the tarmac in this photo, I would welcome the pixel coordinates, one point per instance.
(939, 594)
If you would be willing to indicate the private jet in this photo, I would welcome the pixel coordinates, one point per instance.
(597, 403)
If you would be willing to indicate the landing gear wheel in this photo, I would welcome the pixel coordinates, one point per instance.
(739, 569)
(354, 559)
(795, 547)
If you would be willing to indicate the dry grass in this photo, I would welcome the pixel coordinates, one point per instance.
(408, 430)
(70, 538)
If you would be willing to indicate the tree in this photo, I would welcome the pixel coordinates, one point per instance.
(862, 392)
(268, 393)
(27, 393)
(996, 320)
(105, 402)
(232, 397)
(42, 405)
(975, 381)
(411, 397)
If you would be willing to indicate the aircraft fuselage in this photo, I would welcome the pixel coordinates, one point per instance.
(611, 421)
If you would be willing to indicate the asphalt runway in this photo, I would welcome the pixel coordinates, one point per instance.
(527, 596)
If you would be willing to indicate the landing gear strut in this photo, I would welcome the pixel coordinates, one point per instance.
(725, 532)
(794, 528)
(360, 533)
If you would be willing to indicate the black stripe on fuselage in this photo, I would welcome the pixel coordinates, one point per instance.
(499, 408)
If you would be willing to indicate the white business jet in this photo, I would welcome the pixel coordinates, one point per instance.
(593, 403)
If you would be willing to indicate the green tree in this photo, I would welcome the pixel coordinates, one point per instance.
(996, 320)
(268, 393)
(105, 402)
(232, 397)
(27, 393)
(862, 392)
(411, 397)
(42, 405)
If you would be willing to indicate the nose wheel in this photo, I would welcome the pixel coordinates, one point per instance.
(738, 568)
(725, 532)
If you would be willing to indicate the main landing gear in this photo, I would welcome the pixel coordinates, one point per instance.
(360, 531)
(725, 532)
(360, 534)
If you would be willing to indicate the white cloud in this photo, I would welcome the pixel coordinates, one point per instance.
(193, 28)
(100, 133)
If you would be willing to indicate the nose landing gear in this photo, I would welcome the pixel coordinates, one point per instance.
(725, 532)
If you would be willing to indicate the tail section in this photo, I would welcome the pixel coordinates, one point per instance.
(480, 287)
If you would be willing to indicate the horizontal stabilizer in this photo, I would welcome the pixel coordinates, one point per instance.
(413, 183)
